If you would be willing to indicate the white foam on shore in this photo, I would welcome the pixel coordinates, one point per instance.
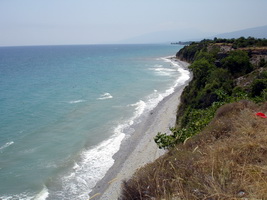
(164, 72)
(93, 166)
(105, 96)
(140, 107)
(95, 162)
(26, 196)
(185, 74)
(22, 196)
(152, 100)
(42, 195)
(174, 67)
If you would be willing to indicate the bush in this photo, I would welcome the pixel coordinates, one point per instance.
(193, 121)
(188, 52)
(206, 55)
(201, 70)
(262, 63)
(212, 85)
(258, 86)
(237, 63)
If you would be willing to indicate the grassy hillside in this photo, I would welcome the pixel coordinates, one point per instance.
(227, 160)
(218, 148)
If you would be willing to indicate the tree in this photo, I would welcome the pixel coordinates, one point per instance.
(237, 63)
(258, 86)
(201, 69)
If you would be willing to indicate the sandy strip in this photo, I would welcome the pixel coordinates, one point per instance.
(140, 148)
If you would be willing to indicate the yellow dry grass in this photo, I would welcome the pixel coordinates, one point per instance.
(228, 160)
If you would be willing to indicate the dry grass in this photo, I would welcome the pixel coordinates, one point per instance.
(254, 48)
(228, 160)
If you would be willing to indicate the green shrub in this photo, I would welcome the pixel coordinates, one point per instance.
(262, 63)
(194, 120)
(201, 70)
(212, 85)
(258, 86)
(237, 63)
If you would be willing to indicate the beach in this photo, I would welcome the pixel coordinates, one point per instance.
(80, 103)
(139, 148)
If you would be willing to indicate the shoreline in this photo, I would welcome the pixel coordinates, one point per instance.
(139, 148)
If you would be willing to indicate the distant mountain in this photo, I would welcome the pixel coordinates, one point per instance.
(174, 36)
(257, 32)
(167, 36)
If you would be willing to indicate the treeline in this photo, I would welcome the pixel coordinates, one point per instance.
(188, 53)
(224, 71)
(242, 42)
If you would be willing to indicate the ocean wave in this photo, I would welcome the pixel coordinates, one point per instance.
(105, 96)
(95, 162)
(93, 166)
(184, 74)
(22, 196)
(165, 71)
(42, 195)
(27, 196)
(6, 145)
(76, 101)
(154, 98)
(140, 107)
(167, 59)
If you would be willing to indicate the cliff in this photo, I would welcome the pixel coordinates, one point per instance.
(217, 148)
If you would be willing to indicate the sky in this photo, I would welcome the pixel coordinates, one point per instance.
(59, 22)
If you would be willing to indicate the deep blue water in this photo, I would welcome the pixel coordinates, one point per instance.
(65, 110)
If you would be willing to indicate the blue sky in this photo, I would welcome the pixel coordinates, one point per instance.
(51, 22)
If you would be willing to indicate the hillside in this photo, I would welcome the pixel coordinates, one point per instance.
(219, 67)
(218, 148)
(258, 32)
(193, 35)
(225, 161)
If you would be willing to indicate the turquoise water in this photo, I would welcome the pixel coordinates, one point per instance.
(66, 109)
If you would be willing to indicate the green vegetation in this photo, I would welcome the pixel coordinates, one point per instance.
(226, 161)
(217, 150)
(237, 63)
(216, 66)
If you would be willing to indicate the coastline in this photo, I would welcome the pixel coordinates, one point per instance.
(139, 148)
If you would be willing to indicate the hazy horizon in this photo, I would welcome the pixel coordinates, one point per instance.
(35, 22)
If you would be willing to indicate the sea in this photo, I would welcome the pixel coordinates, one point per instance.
(64, 111)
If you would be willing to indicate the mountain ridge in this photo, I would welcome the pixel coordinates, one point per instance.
(193, 35)
(257, 32)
